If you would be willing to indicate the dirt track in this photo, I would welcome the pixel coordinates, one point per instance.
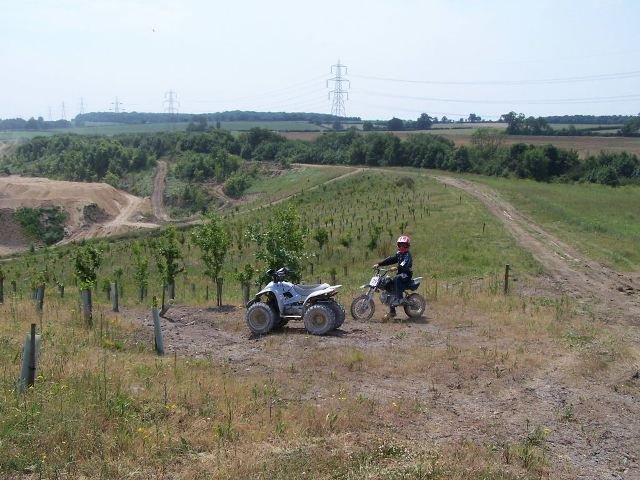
(119, 207)
(157, 197)
(617, 295)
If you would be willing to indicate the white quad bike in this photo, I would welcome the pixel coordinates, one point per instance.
(281, 301)
(363, 308)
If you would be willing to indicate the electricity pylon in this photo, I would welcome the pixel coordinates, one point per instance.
(339, 92)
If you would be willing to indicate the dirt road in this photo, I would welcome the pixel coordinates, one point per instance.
(617, 295)
(119, 208)
(121, 223)
(157, 197)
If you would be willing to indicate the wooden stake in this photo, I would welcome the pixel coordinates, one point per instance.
(506, 278)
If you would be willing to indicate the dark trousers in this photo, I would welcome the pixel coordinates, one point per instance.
(400, 284)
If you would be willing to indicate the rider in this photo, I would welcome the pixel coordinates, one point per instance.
(403, 278)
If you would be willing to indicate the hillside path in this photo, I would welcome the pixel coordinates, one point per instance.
(119, 224)
(157, 197)
(571, 272)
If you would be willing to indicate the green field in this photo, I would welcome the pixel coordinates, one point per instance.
(120, 128)
(603, 222)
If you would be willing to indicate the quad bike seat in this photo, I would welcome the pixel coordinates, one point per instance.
(306, 290)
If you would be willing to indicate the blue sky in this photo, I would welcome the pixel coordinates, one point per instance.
(404, 57)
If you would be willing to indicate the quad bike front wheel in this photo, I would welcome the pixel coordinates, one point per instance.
(414, 305)
(319, 319)
(362, 308)
(260, 318)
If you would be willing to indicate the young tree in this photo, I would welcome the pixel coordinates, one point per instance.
(213, 240)
(141, 269)
(87, 261)
(281, 242)
(321, 236)
(167, 252)
(86, 264)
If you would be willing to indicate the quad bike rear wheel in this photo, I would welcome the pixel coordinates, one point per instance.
(319, 319)
(339, 312)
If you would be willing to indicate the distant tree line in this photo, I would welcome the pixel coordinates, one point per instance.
(589, 119)
(519, 124)
(486, 155)
(32, 124)
(229, 116)
(423, 122)
(213, 155)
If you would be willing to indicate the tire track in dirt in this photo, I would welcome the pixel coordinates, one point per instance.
(117, 225)
(570, 271)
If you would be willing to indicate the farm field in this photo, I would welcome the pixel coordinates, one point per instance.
(586, 145)
(118, 128)
(538, 383)
(584, 126)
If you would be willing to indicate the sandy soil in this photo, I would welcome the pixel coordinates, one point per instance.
(6, 148)
(123, 210)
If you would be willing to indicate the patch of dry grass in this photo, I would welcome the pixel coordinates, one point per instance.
(411, 401)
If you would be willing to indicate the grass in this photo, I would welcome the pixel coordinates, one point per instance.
(376, 402)
(285, 183)
(146, 416)
(603, 222)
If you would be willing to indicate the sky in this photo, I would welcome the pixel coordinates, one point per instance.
(401, 57)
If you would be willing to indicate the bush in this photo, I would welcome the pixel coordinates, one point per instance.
(46, 224)
(236, 185)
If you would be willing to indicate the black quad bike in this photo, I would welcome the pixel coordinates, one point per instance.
(363, 307)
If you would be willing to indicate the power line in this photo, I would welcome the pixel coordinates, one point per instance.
(557, 101)
(261, 96)
(63, 112)
(545, 81)
(337, 108)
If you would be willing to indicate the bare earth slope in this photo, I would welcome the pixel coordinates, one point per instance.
(120, 207)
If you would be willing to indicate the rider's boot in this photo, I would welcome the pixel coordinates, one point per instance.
(391, 314)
